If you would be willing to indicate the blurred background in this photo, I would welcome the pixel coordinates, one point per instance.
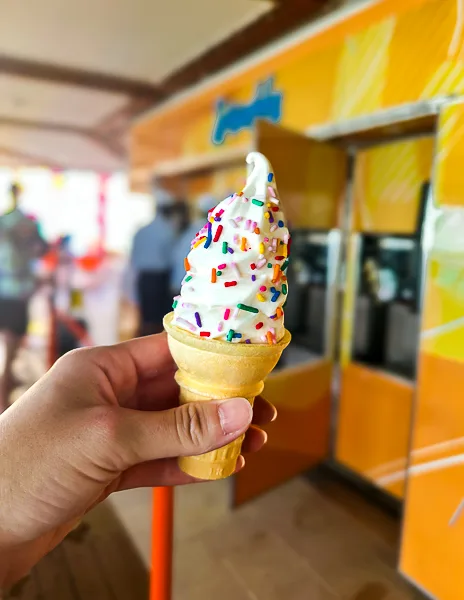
(121, 124)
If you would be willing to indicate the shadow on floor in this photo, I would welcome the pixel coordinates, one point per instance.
(95, 562)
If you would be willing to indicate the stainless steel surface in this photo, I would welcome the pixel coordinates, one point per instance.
(317, 318)
(361, 325)
(331, 296)
(431, 213)
(403, 335)
(383, 118)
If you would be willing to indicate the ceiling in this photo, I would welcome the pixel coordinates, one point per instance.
(74, 74)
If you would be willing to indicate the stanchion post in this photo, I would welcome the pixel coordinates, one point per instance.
(162, 544)
(53, 332)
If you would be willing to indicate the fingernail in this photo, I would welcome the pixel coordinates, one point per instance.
(234, 414)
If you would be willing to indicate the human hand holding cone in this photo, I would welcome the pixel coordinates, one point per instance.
(226, 333)
(216, 370)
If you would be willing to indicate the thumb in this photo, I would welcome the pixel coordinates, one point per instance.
(194, 428)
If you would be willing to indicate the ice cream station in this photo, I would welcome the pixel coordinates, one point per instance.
(365, 147)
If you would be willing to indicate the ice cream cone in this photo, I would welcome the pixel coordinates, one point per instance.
(215, 370)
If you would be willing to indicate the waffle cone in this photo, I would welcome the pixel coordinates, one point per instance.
(215, 370)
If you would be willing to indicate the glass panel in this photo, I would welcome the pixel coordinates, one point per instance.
(386, 314)
(305, 314)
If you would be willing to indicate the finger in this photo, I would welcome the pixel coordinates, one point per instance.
(157, 473)
(154, 473)
(187, 430)
(254, 440)
(163, 393)
(150, 354)
(160, 393)
(118, 370)
(263, 411)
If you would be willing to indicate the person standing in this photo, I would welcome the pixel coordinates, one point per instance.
(151, 263)
(183, 244)
(20, 244)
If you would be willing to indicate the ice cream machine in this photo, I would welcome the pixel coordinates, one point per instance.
(357, 278)
(354, 312)
(387, 305)
(382, 309)
(314, 262)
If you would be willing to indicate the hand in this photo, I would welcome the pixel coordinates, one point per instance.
(101, 420)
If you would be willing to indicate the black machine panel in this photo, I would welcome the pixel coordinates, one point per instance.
(305, 314)
(387, 310)
(386, 325)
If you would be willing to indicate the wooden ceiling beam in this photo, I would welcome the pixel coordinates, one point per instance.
(49, 126)
(79, 77)
(109, 143)
(119, 121)
(286, 16)
(30, 158)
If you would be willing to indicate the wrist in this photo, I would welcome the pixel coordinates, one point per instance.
(5, 569)
(13, 567)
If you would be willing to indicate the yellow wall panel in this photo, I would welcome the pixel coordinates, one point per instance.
(302, 97)
(362, 71)
(419, 48)
(449, 183)
(388, 183)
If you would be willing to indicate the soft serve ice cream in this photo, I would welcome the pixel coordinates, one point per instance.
(235, 285)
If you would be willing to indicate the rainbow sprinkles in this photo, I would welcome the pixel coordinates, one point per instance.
(236, 268)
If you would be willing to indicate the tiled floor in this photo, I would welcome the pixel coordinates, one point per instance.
(303, 541)
(311, 541)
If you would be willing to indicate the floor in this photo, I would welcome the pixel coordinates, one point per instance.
(96, 562)
(306, 540)
(317, 541)
(311, 540)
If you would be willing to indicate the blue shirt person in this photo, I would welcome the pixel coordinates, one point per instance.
(151, 263)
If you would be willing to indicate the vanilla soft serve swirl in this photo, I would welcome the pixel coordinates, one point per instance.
(235, 285)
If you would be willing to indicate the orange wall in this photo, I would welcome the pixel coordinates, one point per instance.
(299, 438)
(374, 425)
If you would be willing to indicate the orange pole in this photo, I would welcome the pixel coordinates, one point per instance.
(53, 331)
(161, 549)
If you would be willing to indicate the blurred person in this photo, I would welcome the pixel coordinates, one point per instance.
(20, 244)
(151, 263)
(181, 216)
(103, 419)
(183, 244)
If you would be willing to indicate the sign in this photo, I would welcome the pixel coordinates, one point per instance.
(232, 118)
